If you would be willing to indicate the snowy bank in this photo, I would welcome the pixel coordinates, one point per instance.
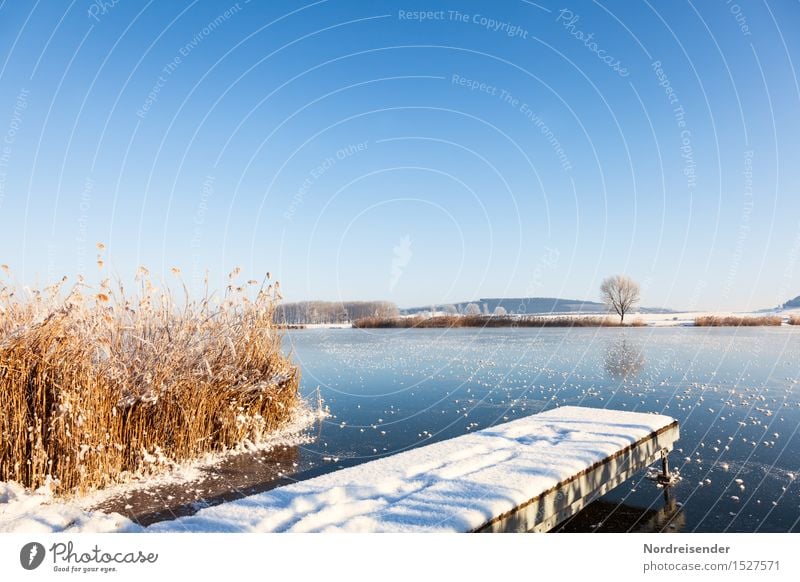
(22, 511)
(40, 511)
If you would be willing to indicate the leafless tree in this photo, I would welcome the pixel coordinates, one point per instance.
(620, 293)
(500, 311)
(472, 309)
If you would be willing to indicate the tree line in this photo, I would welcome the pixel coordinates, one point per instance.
(619, 292)
(311, 312)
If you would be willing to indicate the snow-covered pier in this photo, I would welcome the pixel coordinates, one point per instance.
(526, 475)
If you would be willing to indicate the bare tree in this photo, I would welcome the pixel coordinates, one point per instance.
(500, 311)
(472, 309)
(620, 293)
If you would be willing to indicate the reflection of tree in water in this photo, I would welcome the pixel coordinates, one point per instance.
(623, 359)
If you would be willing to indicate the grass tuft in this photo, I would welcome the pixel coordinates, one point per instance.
(96, 383)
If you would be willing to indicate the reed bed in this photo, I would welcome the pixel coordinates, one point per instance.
(737, 321)
(97, 385)
(447, 321)
(794, 320)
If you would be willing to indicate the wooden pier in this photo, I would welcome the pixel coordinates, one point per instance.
(525, 475)
(566, 498)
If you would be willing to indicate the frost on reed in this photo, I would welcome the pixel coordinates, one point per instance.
(96, 383)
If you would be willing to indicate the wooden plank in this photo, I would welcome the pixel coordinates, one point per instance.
(550, 508)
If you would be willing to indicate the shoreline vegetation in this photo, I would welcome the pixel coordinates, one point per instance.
(739, 321)
(98, 384)
(449, 321)
(304, 313)
(572, 320)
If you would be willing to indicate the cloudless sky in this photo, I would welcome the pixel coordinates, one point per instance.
(359, 151)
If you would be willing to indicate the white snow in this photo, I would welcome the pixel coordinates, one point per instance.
(450, 486)
(22, 511)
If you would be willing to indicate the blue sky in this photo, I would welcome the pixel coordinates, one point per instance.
(360, 151)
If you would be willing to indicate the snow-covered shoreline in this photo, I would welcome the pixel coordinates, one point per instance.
(458, 481)
(671, 319)
(685, 318)
(40, 511)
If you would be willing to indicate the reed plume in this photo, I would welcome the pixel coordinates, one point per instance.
(96, 383)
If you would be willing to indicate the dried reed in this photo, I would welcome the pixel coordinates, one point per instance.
(444, 321)
(736, 320)
(96, 384)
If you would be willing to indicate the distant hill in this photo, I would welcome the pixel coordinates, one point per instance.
(528, 305)
(792, 303)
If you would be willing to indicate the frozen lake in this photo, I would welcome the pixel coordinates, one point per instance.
(736, 394)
